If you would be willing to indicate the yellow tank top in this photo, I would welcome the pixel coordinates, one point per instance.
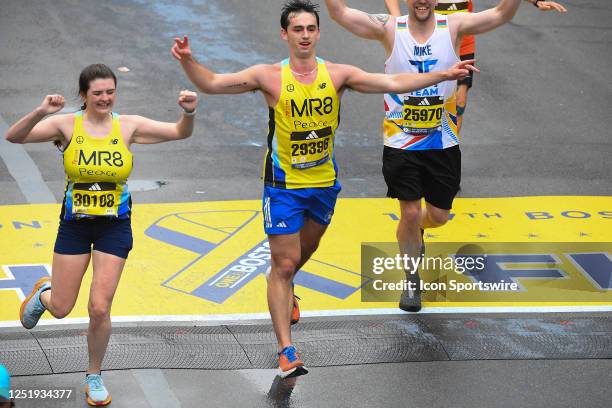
(97, 170)
(301, 133)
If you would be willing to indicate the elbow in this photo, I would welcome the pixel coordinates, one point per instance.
(204, 88)
(12, 139)
(336, 14)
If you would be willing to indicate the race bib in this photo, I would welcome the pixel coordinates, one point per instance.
(310, 149)
(98, 199)
(422, 114)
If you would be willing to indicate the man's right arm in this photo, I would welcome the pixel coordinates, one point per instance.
(212, 83)
(369, 26)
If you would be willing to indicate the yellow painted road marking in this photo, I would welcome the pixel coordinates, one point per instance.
(208, 258)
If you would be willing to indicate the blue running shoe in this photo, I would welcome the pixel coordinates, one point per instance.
(96, 392)
(32, 308)
(290, 364)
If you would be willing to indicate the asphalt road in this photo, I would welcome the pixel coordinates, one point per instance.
(536, 123)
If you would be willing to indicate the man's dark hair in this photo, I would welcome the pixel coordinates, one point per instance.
(294, 6)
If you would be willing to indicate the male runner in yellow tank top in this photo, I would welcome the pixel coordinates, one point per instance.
(300, 173)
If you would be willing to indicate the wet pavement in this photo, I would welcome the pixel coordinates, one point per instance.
(536, 125)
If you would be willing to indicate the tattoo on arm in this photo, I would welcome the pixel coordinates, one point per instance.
(379, 18)
(239, 85)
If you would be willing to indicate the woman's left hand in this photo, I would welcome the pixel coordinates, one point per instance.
(188, 100)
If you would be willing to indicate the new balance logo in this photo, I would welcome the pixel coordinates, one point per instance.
(95, 187)
(312, 135)
(424, 102)
(281, 225)
(323, 85)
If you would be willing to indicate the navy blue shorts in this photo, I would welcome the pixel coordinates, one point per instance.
(285, 210)
(109, 235)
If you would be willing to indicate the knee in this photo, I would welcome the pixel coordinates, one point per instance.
(438, 218)
(99, 310)
(411, 216)
(284, 268)
(59, 311)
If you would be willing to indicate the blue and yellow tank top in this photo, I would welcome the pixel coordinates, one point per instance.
(301, 133)
(97, 169)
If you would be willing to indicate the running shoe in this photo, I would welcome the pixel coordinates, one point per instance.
(95, 391)
(290, 364)
(32, 308)
(410, 301)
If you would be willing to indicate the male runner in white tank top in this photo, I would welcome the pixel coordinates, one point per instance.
(421, 156)
(468, 47)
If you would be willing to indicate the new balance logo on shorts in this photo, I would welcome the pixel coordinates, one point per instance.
(281, 225)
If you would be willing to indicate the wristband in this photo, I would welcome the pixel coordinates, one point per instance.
(192, 113)
(535, 3)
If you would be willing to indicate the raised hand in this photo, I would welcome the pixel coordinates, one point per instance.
(462, 69)
(550, 6)
(188, 100)
(51, 104)
(181, 49)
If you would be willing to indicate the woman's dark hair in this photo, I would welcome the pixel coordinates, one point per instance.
(297, 6)
(91, 73)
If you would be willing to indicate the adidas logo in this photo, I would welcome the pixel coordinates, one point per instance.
(312, 135)
(281, 225)
(95, 187)
(453, 7)
(424, 102)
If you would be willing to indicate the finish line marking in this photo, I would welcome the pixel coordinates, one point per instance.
(229, 318)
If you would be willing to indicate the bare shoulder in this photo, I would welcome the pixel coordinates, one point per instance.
(341, 73)
(63, 122)
(265, 69)
(340, 69)
(129, 124)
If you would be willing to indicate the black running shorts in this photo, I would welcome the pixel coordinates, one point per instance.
(413, 174)
(109, 235)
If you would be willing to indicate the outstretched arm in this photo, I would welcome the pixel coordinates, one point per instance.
(370, 26)
(33, 129)
(151, 131)
(487, 20)
(209, 82)
(548, 5)
(484, 21)
(393, 7)
(365, 82)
